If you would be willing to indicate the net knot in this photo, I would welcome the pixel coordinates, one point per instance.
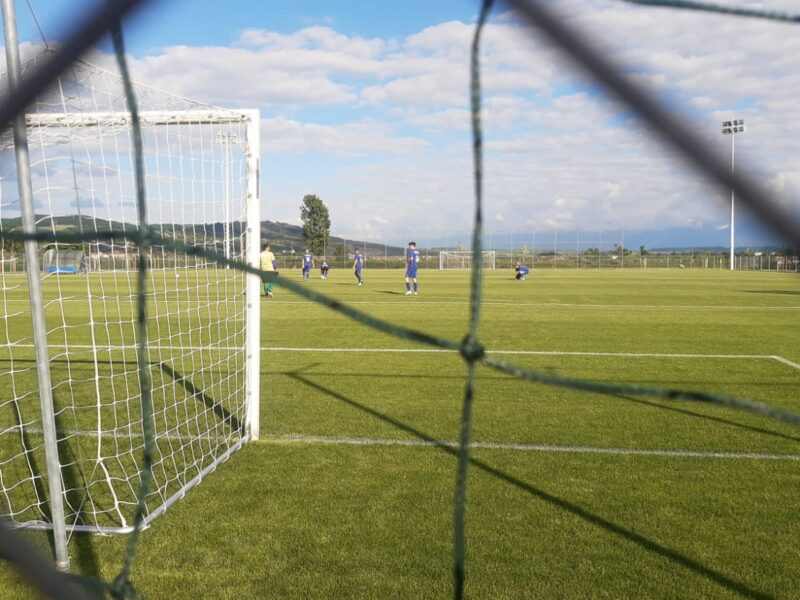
(122, 588)
(472, 350)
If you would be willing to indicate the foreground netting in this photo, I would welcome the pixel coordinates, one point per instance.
(200, 180)
(145, 235)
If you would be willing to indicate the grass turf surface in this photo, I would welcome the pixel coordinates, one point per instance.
(307, 512)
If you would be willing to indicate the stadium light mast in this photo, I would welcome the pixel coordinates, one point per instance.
(731, 128)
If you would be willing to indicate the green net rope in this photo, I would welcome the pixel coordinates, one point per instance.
(753, 13)
(470, 347)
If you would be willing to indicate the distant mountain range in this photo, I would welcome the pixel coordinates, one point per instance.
(283, 237)
(287, 238)
(714, 239)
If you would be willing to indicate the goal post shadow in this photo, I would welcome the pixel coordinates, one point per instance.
(200, 395)
(538, 493)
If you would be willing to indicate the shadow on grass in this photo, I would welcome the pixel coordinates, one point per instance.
(217, 408)
(37, 477)
(74, 483)
(360, 376)
(778, 292)
(85, 556)
(390, 292)
(698, 415)
(588, 516)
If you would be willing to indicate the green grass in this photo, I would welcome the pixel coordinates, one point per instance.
(327, 518)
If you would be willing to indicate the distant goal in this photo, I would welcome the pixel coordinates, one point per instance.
(463, 260)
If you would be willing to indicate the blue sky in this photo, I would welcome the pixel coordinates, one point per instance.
(210, 22)
(365, 105)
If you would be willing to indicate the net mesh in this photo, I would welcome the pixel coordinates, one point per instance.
(82, 162)
(470, 347)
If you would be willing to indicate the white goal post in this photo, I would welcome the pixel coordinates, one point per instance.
(201, 168)
(463, 260)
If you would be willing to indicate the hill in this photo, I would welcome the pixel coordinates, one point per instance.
(283, 237)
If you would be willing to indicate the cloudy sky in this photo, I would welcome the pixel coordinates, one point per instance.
(366, 105)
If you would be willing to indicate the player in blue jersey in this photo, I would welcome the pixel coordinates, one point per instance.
(521, 271)
(358, 264)
(308, 264)
(411, 267)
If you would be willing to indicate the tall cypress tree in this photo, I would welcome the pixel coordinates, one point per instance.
(316, 224)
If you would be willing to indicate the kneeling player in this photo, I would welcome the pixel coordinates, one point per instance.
(323, 270)
(521, 270)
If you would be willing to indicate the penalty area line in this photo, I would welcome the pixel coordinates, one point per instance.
(226, 348)
(518, 447)
(528, 353)
(786, 361)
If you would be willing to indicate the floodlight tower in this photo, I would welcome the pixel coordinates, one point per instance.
(731, 128)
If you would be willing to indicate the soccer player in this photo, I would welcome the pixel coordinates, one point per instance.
(521, 270)
(267, 264)
(323, 270)
(411, 267)
(358, 264)
(308, 264)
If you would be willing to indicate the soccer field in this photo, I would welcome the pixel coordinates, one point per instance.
(349, 491)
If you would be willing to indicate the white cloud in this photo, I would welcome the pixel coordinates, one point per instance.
(317, 40)
(558, 152)
(281, 134)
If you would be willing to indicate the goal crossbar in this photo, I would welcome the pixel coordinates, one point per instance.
(152, 117)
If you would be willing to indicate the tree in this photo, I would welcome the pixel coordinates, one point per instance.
(316, 223)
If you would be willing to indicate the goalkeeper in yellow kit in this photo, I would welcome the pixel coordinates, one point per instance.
(267, 264)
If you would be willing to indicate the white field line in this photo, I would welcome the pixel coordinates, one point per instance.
(678, 355)
(413, 351)
(130, 435)
(459, 303)
(413, 442)
(555, 304)
(786, 361)
(418, 443)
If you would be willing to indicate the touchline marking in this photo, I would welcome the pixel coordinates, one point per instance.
(132, 347)
(416, 442)
(420, 443)
(130, 299)
(130, 435)
(554, 304)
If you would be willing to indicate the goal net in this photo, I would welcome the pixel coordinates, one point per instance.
(464, 260)
(201, 165)
(57, 260)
